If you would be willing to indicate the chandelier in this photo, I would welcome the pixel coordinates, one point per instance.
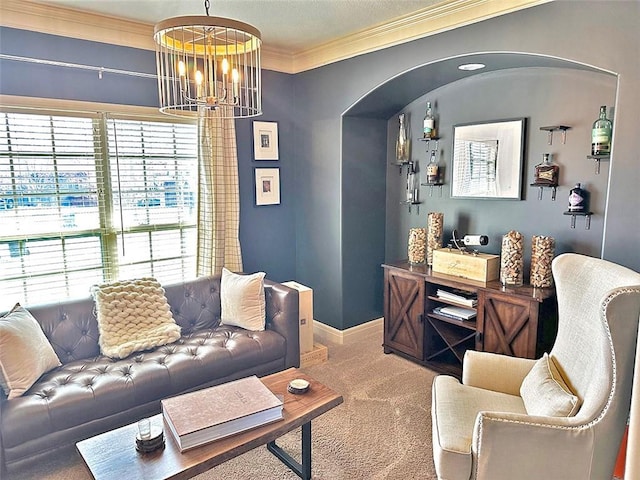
(208, 63)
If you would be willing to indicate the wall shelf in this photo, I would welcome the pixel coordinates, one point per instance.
(556, 128)
(410, 204)
(541, 188)
(597, 159)
(431, 185)
(587, 215)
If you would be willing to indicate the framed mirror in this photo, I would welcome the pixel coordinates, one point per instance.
(487, 160)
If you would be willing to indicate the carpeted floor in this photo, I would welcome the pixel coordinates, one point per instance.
(381, 431)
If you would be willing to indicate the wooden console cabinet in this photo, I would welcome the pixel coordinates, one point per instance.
(516, 321)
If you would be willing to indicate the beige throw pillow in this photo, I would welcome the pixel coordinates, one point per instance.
(544, 391)
(133, 315)
(242, 300)
(25, 352)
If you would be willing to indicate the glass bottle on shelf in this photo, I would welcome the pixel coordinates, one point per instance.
(601, 134)
(578, 199)
(411, 193)
(429, 123)
(546, 173)
(402, 143)
(432, 169)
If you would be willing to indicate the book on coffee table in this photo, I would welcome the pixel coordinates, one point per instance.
(213, 413)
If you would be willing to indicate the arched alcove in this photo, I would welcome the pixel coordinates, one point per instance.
(371, 186)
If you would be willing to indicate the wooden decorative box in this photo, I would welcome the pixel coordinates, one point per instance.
(481, 267)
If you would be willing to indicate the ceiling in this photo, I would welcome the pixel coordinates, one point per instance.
(291, 25)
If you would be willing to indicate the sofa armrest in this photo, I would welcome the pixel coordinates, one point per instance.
(491, 371)
(283, 317)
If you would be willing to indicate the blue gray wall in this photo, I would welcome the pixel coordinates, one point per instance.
(543, 96)
(267, 233)
(326, 257)
(337, 219)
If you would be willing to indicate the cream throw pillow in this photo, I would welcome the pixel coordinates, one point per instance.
(544, 391)
(242, 300)
(133, 315)
(25, 352)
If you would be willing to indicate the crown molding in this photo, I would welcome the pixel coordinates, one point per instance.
(429, 21)
(67, 22)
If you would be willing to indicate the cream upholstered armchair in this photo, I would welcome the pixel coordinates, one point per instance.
(557, 418)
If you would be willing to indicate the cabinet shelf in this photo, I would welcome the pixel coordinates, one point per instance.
(448, 302)
(455, 340)
(468, 324)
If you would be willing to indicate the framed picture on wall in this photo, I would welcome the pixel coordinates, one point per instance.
(265, 140)
(267, 186)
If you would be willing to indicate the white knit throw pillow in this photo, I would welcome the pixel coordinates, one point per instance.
(133, 315)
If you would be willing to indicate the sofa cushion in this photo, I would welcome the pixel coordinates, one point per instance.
(133, 315)
(92, 391)
(25, 352)
(242, 300)
(545, 392)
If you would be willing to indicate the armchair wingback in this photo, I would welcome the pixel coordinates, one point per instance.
(481, 428)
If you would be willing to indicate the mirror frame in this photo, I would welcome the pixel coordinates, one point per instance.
(499, 147)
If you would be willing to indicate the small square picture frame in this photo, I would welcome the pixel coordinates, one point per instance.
(265, 141)
(267, 186)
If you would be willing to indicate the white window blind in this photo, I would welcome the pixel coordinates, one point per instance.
(84, 200)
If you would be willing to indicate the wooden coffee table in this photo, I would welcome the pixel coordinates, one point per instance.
(112, 455)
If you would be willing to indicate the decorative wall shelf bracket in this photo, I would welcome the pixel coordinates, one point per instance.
(400, 165)
(428, 142)
(597, 158)
(417, 204)
(587, 215)
(541, 189)
(431, 185)
(556, 128)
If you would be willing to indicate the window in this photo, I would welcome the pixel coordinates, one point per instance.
(84, 200)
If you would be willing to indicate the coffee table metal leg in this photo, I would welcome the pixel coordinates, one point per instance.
(303, 470)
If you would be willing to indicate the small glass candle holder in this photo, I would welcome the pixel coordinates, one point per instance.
(144, 429)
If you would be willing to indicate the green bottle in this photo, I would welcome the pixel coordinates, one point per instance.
(601, 134)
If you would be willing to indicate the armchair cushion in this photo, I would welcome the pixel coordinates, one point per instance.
(544, 391)
(492, 371)
(454, 410)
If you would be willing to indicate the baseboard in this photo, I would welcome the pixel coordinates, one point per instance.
(326, 334)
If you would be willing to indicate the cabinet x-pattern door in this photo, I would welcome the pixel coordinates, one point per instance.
(508, 325)
(404, 313)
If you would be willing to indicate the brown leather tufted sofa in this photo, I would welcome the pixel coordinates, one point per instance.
(91, 393)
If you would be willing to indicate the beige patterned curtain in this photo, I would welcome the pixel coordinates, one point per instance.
(219, 199)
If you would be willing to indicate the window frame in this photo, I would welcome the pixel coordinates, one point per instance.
(107, 233)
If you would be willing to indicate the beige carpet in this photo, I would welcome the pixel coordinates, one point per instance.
(381, 431)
